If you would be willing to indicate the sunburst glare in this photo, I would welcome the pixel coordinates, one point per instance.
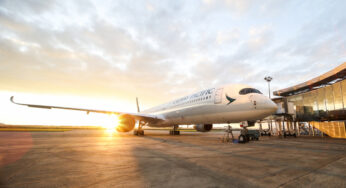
(110, 123)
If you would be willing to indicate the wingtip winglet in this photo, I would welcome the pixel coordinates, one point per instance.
(12, 99)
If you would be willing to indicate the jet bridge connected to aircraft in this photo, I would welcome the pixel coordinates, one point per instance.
(315, 107)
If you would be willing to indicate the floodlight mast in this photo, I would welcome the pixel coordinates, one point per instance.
(268, 79)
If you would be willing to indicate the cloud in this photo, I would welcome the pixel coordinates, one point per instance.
(162, 50)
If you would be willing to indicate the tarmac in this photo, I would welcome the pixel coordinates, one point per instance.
(95, 158)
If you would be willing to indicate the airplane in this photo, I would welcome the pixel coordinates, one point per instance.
(231, 103)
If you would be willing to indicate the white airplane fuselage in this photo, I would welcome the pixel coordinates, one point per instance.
(232, 103)
(226, 104)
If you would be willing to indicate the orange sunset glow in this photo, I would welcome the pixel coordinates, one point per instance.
(110, 123)
(101, 56)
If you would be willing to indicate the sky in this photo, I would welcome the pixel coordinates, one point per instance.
(102, 53)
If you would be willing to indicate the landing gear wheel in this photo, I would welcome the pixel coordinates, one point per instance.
(138, 132)
(247, 138)
(241, 139)
(141, 132)
(172, 132)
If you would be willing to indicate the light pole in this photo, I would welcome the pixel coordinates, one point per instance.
(268, 79)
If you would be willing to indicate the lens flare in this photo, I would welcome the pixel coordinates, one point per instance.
(110, 123)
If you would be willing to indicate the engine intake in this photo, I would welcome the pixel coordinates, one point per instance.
(203, 127)
(126, 123)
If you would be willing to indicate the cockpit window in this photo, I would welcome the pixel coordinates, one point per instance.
(248, 90)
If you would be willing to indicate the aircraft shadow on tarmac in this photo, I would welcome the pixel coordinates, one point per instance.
(167, 170)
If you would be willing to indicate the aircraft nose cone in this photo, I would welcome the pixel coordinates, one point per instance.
(268, 104)
(272, 105)
(264, 103)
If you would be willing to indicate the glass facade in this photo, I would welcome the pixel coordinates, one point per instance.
(297, 100)
(329, 98)
(338, 103)
(321, 102)
(343, 91)
(325, 103)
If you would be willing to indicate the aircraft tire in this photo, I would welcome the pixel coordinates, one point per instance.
(241, 139)
(247, 138)
(172, 132)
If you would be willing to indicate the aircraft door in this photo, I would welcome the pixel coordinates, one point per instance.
(218, 96)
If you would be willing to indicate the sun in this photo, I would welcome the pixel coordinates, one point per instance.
(110, 123)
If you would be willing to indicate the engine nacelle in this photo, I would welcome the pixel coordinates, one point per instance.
(126, 123)
(203, 127)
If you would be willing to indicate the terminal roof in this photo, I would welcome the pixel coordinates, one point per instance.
(335, 75)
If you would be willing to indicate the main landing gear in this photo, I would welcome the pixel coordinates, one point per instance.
(174, 131)
(139, 131)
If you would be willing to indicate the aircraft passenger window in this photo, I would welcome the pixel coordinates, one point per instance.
(248, 90)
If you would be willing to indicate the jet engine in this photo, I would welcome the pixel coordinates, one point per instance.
(203, 127)
(126, 123)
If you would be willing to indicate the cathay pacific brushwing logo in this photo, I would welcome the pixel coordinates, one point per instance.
(230, 100)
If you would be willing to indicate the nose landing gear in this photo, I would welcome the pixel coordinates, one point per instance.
(243, 137)
(247, 135)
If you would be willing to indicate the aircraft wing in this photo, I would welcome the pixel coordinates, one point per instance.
(137, 116)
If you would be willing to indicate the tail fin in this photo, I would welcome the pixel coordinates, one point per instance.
(137, 105)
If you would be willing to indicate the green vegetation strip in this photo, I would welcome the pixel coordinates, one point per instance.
(33, 130)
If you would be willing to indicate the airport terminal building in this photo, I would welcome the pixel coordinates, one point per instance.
(320, 101)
